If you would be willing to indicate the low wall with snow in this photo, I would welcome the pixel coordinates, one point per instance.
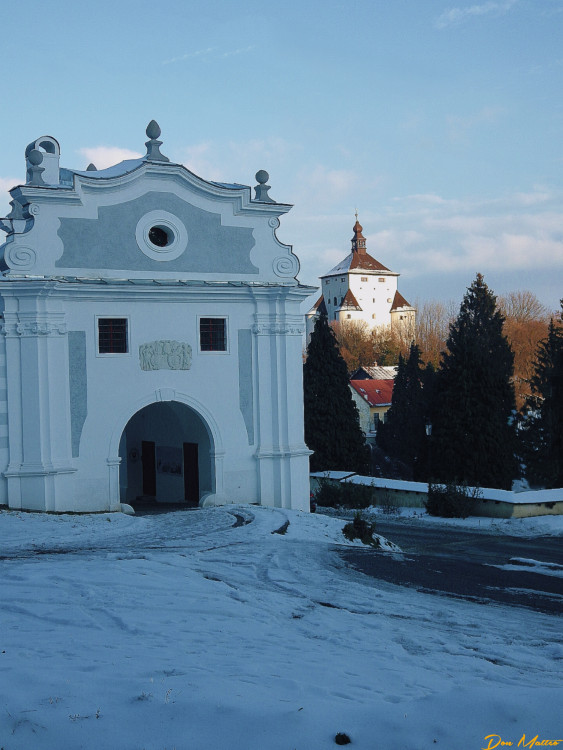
(492, 503)
(385, 491)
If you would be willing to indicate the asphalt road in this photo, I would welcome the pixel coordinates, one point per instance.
(461, 564)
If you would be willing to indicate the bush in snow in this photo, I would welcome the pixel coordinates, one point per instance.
(341, 738)
(344, 494)
(451, 500)
(361, 529)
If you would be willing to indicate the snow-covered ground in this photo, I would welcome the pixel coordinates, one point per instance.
(182, 631)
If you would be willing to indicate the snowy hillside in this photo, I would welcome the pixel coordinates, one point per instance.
(182, 631)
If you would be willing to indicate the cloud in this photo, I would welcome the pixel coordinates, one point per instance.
(190, 55)
(460, 126)
(209, 52)
(6, 183)
(240, 51)
(107, 156)
(518, 232)
(238, 161)
(333, 184)
(457, 16)
(200, 160)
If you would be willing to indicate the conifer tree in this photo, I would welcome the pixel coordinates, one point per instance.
(332, 424)
(473, 432)
(403, 435)
(542, 432)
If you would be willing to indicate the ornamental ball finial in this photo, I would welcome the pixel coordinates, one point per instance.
(153, 130)
(262, 176)
(35, 157)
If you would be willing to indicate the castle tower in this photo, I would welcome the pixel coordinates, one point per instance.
(360, 288)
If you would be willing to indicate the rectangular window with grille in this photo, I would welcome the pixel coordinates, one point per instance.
(113, 336)
(213, 334)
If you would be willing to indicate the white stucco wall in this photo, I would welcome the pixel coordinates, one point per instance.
(375, 297)
(82, 253)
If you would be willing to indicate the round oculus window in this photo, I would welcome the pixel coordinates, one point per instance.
(161, 236)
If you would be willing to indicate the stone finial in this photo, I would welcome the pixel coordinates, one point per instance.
(51, 152)
(153, 145)
(153, 130)
(91, 168)
(261, 189)
(35, 157)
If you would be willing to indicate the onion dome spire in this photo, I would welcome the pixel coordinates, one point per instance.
(358, 240)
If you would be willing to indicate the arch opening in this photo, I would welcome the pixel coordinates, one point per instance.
(167, 457)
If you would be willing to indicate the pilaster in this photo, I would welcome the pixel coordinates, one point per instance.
(282, 455)
(40, 464)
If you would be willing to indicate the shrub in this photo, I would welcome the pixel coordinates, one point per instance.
(361, 529)
(341, 738)
(386, 504)
(343, 494)
(451, 500)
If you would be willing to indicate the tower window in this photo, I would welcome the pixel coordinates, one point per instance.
(112, 336)
(335, 302)
(383, 280)
(213, 334)
(364, 278)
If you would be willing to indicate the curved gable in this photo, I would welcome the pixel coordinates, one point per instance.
(112, 239)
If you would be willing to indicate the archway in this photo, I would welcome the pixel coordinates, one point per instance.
(167, 456)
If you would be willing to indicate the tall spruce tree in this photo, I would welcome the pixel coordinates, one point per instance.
(473, 438)
(542, 425)
(332, 424)
(403, 435)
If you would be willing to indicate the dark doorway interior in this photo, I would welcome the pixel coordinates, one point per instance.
(191, 473)
(166, 457)
(148, 460)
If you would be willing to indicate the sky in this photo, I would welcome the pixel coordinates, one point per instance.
(439, 121)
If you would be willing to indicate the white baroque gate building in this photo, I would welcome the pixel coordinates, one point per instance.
(151, 340)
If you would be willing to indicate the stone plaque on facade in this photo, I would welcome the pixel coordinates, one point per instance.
(165, 355)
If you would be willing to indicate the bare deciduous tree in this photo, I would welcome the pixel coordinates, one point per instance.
(432, 328)
(522, 306)
(361, 345)
(355, 343)
(526, 321)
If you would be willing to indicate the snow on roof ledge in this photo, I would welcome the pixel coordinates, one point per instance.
(116, 170)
